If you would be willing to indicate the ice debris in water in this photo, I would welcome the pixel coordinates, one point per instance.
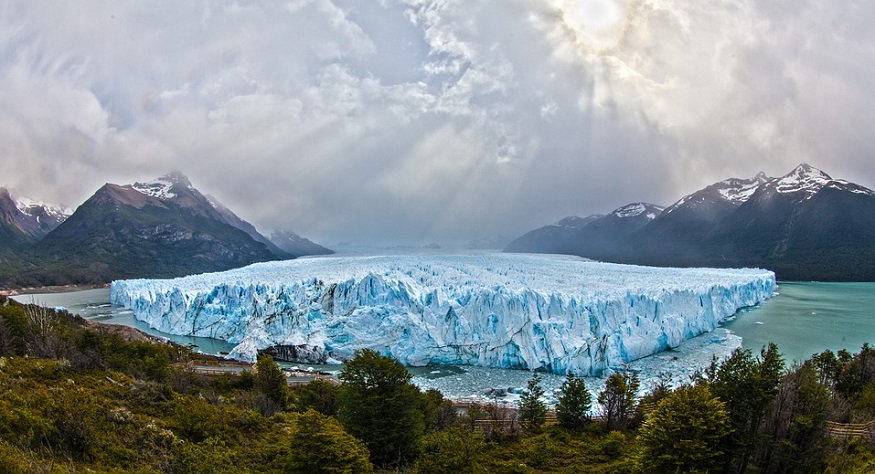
(541, 312)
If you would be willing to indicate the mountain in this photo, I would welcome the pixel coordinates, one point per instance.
(230, 218)
(162, 228)
(32, 218)
(24, 221)
(12, 236)
(675, 237)
(296, 245)
(603, 237)
(596, 236)
(38, 218)
(553, 238)
(803, 226)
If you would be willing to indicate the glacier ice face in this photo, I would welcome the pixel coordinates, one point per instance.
(542, 312)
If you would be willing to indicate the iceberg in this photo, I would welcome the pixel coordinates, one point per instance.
(538, 312)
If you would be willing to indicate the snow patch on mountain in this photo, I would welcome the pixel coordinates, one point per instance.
(636, 209)
(679, 204)
(738, 191)
(805, 178)
(33, 208)
(161, 188)
(517, 311)
(844, 185)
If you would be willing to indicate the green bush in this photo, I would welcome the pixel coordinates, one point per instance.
(456, 450)
(319, 395)
(380, 406)
(12, 460)
(318, 444)
(686, 432)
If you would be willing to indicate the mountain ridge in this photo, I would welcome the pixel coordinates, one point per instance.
(804, 225)
(157, 229)
(294, 244)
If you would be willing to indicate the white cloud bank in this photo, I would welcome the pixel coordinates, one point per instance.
(423, 120)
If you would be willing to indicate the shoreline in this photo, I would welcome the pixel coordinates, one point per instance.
(34, 290)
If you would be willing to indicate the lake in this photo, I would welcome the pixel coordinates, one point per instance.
(807, 318)
(94, 305)
(803, 319)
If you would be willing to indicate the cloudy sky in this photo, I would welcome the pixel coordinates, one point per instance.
(412, 121)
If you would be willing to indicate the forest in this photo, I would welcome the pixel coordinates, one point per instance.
(80, 397)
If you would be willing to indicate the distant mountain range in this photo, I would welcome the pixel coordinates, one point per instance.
(24, 222)
(162, 228)
(294, 244)
(804, 226)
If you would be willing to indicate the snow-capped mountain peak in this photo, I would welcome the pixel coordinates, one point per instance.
(804, 178)
(162, 188)
(33, 218)
(159, 188)
(636, 209)
(33, 208)
(738, 191)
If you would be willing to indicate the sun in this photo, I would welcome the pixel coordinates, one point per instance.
(597, 23)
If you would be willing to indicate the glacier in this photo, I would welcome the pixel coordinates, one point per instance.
(538, 312)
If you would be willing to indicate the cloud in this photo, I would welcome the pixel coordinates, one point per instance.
(422, 120)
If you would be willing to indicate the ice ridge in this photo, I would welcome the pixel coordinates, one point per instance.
(538, 312)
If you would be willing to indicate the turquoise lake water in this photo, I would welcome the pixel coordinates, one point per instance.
(95, 305)
(808, 318)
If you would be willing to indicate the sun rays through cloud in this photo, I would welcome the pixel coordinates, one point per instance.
(430, 120)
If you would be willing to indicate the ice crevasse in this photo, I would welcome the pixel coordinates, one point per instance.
(551, 313)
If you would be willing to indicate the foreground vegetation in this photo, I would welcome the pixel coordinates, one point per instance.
(84, 399)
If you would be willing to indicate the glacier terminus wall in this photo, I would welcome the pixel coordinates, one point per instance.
(542, 312)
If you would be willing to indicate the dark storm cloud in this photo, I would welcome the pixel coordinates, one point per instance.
(417, 121)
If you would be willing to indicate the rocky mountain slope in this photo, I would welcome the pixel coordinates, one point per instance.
(596, 236)
(804, 226)
(293, 244)
(24, 222)
(553, 238)
(162, 228)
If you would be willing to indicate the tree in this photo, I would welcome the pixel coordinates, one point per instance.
(685, 433)
(827, 366)
(456, 450)
(747, 386)
(532, 412)
(319, 395)
(319, 444)
(795, 434)
(380, 406)
(271, 383)
(618, 399)
(855, 372)
(572, 411)
(438, 413)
